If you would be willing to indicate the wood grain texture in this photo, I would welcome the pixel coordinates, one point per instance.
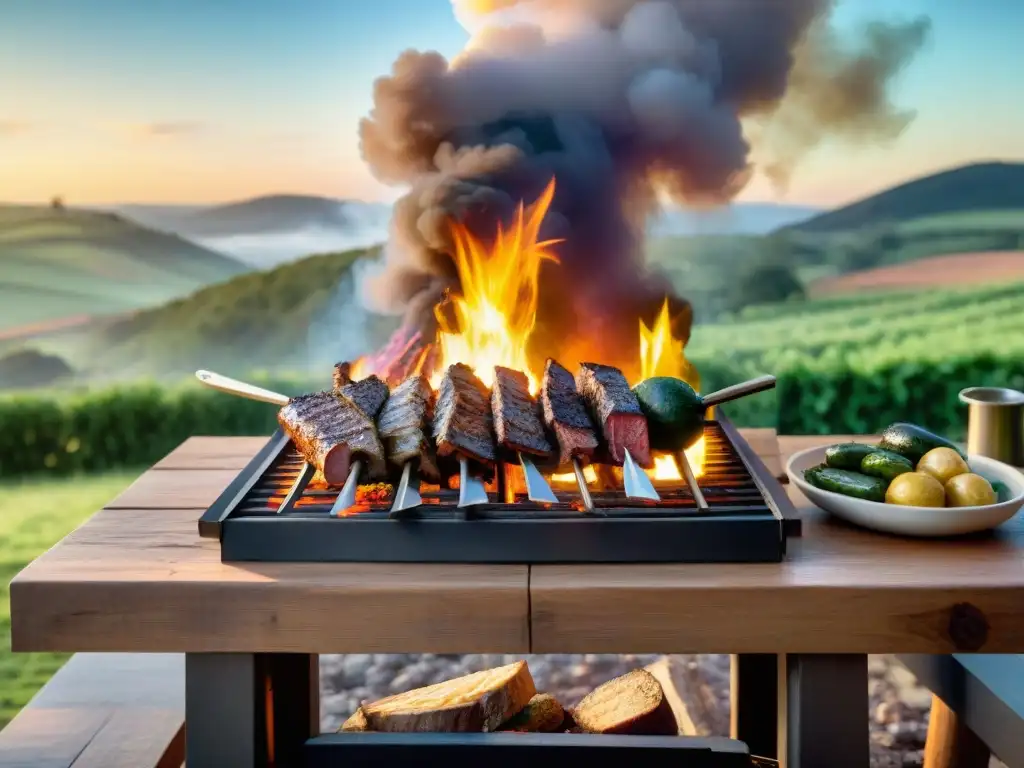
(143, 580)
(841, 590)
(180, 489)
(212, 453)
(103, 711)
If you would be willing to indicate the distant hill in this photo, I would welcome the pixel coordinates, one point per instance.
(979, 187)
(297, 316)
(56, 263)
(947, 271)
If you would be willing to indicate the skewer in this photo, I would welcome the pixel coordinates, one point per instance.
(472, 490)
(235, 387)
(636, 482)
(581, 481)
(537, 488)
(347, 498)
(295, 492)
(691, 481)
(407, 494)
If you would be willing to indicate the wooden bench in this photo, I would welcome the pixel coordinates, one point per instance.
(977, 708)
(103, 710)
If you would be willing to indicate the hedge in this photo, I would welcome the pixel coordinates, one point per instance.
(134, 426)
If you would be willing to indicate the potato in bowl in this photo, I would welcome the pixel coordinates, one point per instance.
(911, 481)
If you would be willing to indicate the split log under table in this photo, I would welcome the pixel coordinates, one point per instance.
(138, 578)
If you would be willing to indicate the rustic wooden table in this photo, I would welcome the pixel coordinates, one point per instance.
(137, 577)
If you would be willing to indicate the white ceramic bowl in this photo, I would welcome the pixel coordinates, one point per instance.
(914, 521)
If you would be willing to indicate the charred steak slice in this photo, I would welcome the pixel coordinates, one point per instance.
(330, 433)
(462, 417)
(517, 423)
(342, 375)
(566, 414)
(617, 411)
(368, 394)
(403, 425)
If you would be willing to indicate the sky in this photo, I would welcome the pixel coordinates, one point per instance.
(200, 101)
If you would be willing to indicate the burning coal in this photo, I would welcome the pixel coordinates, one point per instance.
(618, 100)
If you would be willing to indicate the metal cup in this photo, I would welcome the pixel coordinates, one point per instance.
(995, 423)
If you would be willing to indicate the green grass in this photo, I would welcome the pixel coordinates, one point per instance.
(35, 515)
(59, 263)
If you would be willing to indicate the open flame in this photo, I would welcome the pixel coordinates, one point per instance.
(491, 321)
(662, 355)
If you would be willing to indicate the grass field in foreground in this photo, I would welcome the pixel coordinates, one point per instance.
(34, 516)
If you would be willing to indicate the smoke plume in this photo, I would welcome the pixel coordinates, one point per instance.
(618, 100)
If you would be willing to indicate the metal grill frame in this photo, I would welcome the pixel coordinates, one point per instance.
(640, 534)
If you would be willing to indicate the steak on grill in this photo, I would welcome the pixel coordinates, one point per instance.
(368, 394)
(402, 425)
(517, 422)
(330, 433)
(566, 415)
(462, 417)
(617, 411)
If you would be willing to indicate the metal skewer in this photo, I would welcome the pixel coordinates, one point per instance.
(636, 482)
(581, 481)
(691, 481)
(472, 490)
(347, 498)
(407, 494)
(537, 488)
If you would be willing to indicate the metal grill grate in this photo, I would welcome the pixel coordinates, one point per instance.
(275, 510)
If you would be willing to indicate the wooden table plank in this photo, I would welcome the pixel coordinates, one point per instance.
(841, 590)
(212, 453)
(177, 489)
(143, 580)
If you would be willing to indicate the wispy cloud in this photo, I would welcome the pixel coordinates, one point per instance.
(15, 127)
(167, 129)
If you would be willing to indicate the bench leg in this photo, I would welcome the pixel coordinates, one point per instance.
(249, 710)
(951, 744)
(753, 711)
(823, 711)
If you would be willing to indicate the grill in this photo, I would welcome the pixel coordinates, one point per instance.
(271, 513)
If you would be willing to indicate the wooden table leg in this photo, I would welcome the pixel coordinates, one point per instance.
(823, 711)
(951, 744)
(753, 711)
(249, 710)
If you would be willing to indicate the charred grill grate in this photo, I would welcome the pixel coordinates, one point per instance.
(273, 512)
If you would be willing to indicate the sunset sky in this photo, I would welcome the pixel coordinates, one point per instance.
(109, 101)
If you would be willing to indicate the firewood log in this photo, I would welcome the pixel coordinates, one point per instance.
(633, 704)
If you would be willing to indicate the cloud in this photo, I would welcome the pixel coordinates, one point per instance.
(15, 127)
(159, 129)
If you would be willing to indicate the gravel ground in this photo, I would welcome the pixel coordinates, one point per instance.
(898, 714)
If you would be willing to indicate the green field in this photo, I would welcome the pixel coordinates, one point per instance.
(35, 515)
(56, 263)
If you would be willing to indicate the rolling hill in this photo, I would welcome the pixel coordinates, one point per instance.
(947, 271)
(981, 187)
(298, 316)
(58, 263)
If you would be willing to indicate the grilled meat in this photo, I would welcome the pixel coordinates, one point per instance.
(517, 423)
(342, 375)
(566, 414)
(462, 417)
(331, 433)
(617, 411)
(402, 425)
(368, 395)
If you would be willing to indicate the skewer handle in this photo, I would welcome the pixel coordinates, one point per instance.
(240, 388)
(581, 481)
(760, 384)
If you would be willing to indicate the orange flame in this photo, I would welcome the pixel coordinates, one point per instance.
(496, 311)
(662, 355)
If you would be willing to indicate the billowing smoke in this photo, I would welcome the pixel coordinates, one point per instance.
(618, 100)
